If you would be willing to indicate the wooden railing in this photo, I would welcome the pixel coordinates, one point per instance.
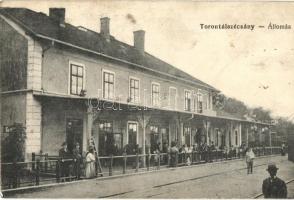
(44, 169)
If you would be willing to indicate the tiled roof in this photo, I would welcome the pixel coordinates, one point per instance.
(38, 23)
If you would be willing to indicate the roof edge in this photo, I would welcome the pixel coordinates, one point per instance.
(2, 11)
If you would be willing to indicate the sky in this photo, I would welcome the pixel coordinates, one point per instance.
(256, 67)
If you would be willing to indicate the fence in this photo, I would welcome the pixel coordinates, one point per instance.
(44, 169)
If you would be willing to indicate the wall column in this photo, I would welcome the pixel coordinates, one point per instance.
(270, 136)
(143, 120)
(206, 124)
(181, 133)
(88, 130)
(247, 136)
(240, 134)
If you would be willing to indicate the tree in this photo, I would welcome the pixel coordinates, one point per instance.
(235, 107)
(261, 114)
(283, 128)
(13, 146)
(218, 100)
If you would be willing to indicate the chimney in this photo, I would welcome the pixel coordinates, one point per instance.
(104, 27)
(58, 14)
(139, 40)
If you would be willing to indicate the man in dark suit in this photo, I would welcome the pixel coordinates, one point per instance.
(78, 160)
(64, 164)
(274, 187)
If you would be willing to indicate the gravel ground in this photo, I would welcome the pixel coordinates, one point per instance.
(290, 188)
(213, 180)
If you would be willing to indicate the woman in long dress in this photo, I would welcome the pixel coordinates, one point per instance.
(90, 163)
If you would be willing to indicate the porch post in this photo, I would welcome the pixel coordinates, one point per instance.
(207, 132)
(247, 136)
(240, 134)
(143, 138)
(169, 133)
(231, 133)
(89, 127)
(206, 125)
(143, 120)
(259, 135)
(181, 133)
(270, 136)
(179, 129)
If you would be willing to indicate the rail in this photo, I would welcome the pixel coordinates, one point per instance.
(44, 169)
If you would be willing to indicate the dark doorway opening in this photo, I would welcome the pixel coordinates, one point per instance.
(74, 133)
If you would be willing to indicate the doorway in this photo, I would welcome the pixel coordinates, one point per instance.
(74, 133)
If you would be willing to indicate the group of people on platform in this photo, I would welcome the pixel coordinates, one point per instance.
(202, 151)
(174, 153)
(72, 162)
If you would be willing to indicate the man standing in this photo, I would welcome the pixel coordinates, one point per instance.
(64, 165)
(249, 160)
(274, 187)
(78, 160)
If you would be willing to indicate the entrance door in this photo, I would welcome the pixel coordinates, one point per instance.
(187, 133)
(132, 134)
(74, 133)
(106, 139)
(165, 135)
(154, 138)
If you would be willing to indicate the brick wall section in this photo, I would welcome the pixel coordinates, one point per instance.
(33, 107)
(34, 65)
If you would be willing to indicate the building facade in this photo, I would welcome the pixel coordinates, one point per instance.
(67, 83)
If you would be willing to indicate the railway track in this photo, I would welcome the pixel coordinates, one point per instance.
(180, 181)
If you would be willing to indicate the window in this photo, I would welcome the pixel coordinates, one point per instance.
(76, 79)
(155, 94)
(132, 133)
(105, 126)
(154, 129)
(172, 98)
(187, 100)
(195, 104)
(134, 90)
(187, 134)
(108, 85)
(106, 138)
(154, 138)
(165, 135)
(199, 102)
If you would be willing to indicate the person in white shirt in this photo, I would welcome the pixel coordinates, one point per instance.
(249, 160)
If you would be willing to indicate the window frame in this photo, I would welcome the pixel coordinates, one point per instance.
(157, 84)
(137, 124)
(103, 94)
(136, 79)
(185, 108)
(106, 122)
(69, 89)
(176, 100)
(199, 96)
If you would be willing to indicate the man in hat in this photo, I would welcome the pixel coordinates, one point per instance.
(64, 164)
(78, 160)
(274, 187)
